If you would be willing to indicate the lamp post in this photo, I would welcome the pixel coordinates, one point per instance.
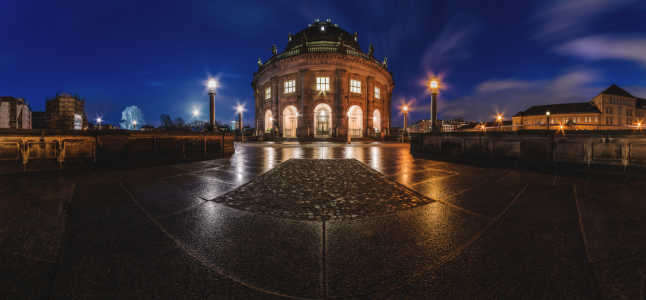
(296, 125)
(434, 87)
(240, 121)
(499, 123)
(405, 122)
(349, 127)
(547, 122)
(212, 104)
(135, 125)
(99, 121)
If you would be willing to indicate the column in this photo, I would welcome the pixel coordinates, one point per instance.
(304, 119)
(340, 97)
(274, 105)
(370, 106)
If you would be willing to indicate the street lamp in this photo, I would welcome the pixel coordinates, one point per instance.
(434, 88)
(99, 121)
(212, 104)
(547, 117)
(405, 121)
(240, 119)
(349, 127)
(499, 123)
(135, 125)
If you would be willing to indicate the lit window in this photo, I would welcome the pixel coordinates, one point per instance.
(355, 86)
(619, 111)
(268, 93)
(322, 28)
(377, 93)
(322, 83)
(596, 119)
(618, 121)
(290, 86)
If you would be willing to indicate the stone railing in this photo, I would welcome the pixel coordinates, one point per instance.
(32, 149)
(623, 149)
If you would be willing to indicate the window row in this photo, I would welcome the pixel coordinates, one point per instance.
(564, 120)
(610, 121)
(322, 84)
(620, 101)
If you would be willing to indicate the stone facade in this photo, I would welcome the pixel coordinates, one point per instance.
(612, 109)
(14, 113)
(308, 90)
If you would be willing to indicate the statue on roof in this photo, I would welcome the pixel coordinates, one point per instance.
(385, 62)
(341, 40)
(304, 40)
(273, 49)
(259, 62)
(370, 50)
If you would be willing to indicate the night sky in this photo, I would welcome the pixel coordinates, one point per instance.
(491, 56)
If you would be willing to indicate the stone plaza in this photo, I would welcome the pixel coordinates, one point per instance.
(323, 221)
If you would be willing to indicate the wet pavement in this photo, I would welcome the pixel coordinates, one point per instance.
(216, 229)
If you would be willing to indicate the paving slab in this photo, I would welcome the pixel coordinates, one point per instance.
(160, 198)
(443, 188)
(419, 177)
(622, 279)
(32, 219)
(508, 262)
(489, 198)
(225, 176)
(203, 187)
(613, 219)
(366, 256)
(276, 255)
(25, 278)
(544, 206)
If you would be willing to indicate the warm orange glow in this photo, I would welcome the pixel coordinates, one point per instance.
(499, 118)
(561, 126)
(434, 84)
(405, 108)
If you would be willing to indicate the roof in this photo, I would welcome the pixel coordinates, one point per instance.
(331, 33)
(641, 103)
(558, 109)
(617, 91)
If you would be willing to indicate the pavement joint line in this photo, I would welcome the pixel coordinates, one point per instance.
(447, 258)
(501, 178)
(191, 253)
(434, 179)
(60, 250)
(585, 244)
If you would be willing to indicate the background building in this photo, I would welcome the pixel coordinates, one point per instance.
(612, 109)
(487, 126)
(320, 77)
(65, 112)
(14, 113)
(38, 120)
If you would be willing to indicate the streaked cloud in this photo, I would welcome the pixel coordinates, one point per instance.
(452, 44)
(508, 96)
(630, 48)
(558, 19)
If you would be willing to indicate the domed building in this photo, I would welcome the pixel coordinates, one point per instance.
(322, 85)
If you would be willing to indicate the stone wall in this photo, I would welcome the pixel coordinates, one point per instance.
(28, 150)
(587, 148)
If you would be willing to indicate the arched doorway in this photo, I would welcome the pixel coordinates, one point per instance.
(355, 121)
(290, 122)
(268, 121)
(376, 121)
(322, 121)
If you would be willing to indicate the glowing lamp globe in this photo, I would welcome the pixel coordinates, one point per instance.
(499, 117)
(405, 108)
(212, 83)
(547, 113)
(434, 84)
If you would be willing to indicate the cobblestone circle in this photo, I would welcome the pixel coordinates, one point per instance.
(323, 190)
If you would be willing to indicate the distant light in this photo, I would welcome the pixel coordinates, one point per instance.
(561, 126)
(297, 114)
(328, 20)
(316, 20)
(271, 118)
(212, 83)
(98, 120)
(434, 84)
(348, 113)
(196, 112)
(322, 28)
(374, 118)
(240, 109)
(547, 113)
(499, 117)
(405, 108)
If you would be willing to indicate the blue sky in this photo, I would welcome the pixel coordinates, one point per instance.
(491, 56)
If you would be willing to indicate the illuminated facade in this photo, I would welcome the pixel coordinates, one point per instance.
(612, 109)
(322, 85)
(14, 113)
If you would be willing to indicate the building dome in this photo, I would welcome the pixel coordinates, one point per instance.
(322, 33)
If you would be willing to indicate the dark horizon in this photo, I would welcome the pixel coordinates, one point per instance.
(494, 57)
